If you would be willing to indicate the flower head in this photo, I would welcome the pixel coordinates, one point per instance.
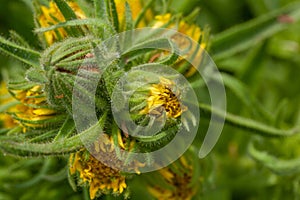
(101, 178)
(183, 26)
(163, 96)
(51, 15)
(96, 169)
(178, 178)
(5, 99)
(190, 29)
(136, 7)
(32, 111)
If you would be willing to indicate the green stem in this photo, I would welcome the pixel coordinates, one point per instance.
(245, 123)
(86, 195)
(277, 165)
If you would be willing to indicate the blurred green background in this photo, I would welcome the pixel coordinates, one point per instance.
(263, 83)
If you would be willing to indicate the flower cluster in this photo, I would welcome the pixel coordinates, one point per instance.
(101, 178)
(42, 105)
(179, 179)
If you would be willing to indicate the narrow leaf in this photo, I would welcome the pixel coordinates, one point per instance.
(114, 15)
(23, 54)
(76, 22)
(66, 130)
(128, 17)
(68, 14)
(246, 35)
(100, 9)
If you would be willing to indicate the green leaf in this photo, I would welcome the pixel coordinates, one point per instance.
(66, 130)
(18, 39)
(100, 9)
(107, 29)
(252, 64)
(246, 35)
(102, 14)
(68, 14)
(128, 17)
(46, 136)
(114, 15)
(38, 176)
(23, 54)
(72, 181)
(246, 96)
(65, 9)
(278, 166)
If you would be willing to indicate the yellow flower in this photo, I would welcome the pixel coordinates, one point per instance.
(101, 178)
(32, 110)
(189, 29)
(184, 27)
(162, 97)
(136, 7)
(51, 15)
(178, 177)
(6, 98)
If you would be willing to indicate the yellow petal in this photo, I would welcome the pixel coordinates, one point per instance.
(43, 111)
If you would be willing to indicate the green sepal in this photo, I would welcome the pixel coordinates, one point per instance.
(101, 13)
(66, 130)
(18, 146)
(111, 76)
(152, 143)
(20, 85)
(36, 76)
(115, 132)
(72, 181)
(62, 90)
(62, 53)
(53, 122)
